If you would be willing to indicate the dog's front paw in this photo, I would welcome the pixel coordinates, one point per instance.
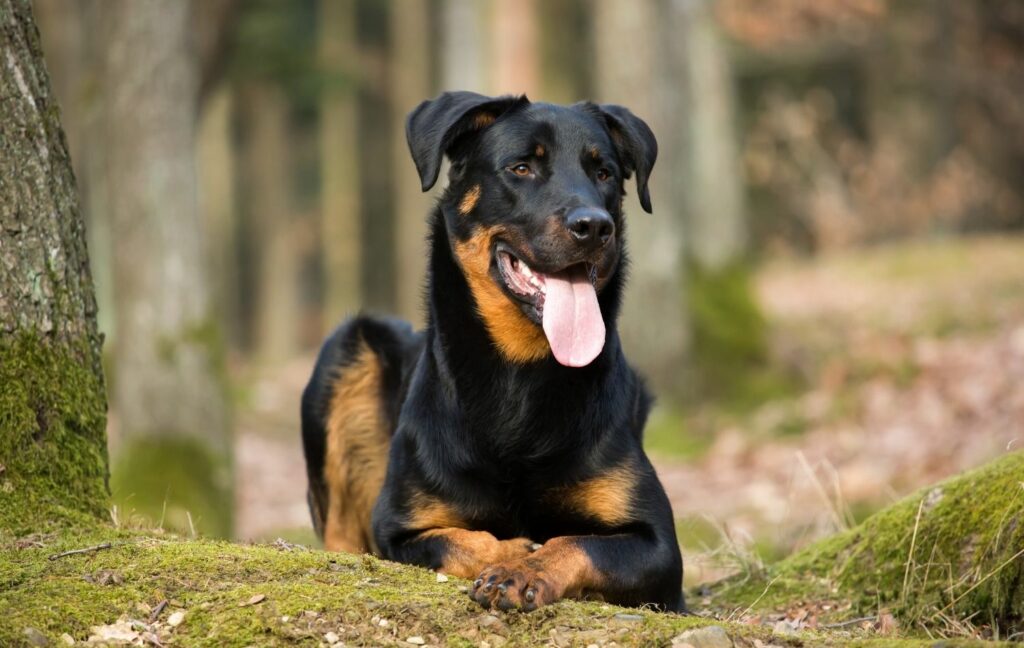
(519, 584)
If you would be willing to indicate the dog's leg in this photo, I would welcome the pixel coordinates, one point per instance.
(463, 553)
(626, 568)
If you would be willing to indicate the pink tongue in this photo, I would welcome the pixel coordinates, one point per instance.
(572, 318)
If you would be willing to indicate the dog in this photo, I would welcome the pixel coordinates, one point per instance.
(502, 444)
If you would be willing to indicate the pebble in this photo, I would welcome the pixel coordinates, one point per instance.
(68, 639)
(331, 638)
(441, 578)
(416, 640)
(175, 619)
(708, 637)
(622, 616)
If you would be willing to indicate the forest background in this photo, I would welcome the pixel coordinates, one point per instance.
(827, 300)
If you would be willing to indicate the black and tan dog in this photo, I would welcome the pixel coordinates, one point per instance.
(503, 443)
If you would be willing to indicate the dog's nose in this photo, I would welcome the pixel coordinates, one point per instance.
(591, 227)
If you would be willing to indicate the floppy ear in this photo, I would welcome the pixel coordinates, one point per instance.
(636, 145)
(434, 126)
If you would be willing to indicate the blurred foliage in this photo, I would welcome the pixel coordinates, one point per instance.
(275, 42)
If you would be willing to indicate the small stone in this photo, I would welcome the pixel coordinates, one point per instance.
(332, 638)
(707, 637)
(383, 623)
(441, 578)
(622, 616)
(35, 638)
(176, 619)
(285, 619)
(593, 646)
(416, 640)
(67, 639)
(254, 600)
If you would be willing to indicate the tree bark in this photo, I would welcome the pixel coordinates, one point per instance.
(516, 50)
(463, 55)
(52, 401)
(410, 84)
(632, 70)
(341, 221)
(169, 386)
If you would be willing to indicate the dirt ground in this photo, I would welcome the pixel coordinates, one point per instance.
(915, 357)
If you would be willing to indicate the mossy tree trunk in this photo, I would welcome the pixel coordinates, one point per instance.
(728, 329)
(634, 69)
(168, 383)
(53, 453)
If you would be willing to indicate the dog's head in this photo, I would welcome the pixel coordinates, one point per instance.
(533, 211)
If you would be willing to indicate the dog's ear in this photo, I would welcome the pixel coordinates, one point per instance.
(637, 147)
(435, 125)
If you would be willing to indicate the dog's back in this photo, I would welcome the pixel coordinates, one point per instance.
(349, 412)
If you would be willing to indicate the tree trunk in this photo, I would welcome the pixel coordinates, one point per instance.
(52, 402)
(728, 331)
(463, 56)
(169, 387)
(341, 221)
(269, 208)
(631, 70)
(410, 84)
(516, 50)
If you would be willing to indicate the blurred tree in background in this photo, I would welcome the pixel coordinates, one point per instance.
(246, 185)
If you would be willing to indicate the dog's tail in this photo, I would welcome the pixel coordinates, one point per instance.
(349, 412)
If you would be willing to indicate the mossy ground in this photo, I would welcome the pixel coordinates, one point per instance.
(950, 554)
(307, 594)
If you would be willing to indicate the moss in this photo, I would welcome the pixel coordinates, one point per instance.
(174, 482)
(52, 435)
(960, 559)
(306, 594)
(730, 345)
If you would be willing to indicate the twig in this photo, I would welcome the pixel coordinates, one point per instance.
(849, 622)
(910, 554)
(105, 545)
(157, 610)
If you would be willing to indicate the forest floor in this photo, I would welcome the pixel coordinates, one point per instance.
(904, 365)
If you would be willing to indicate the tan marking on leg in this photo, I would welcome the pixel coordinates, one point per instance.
(357, 451)
(559, 569)
(470, 551)
(517, 338)
(469, 200)
(607, 497)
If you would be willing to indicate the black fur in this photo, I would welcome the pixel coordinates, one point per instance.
(489, 437)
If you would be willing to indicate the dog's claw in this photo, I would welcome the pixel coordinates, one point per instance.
(477, 583)
(530, 595)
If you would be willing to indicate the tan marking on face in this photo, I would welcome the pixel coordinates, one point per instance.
(539, 151)
(594, 153)
(606, 497)
(357, 451)
(471, 551)
(482, 120)
(517, 338)
(469, 200)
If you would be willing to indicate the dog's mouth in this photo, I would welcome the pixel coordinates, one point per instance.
(563, 302)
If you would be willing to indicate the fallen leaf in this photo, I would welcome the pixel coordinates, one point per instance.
(119, 632)
(256, 598)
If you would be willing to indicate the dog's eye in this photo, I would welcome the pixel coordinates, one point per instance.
(522, 170)
(603, 174)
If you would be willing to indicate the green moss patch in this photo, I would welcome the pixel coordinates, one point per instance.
(950, 553)
(53, 464)
(176, 483)
(224, 594)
